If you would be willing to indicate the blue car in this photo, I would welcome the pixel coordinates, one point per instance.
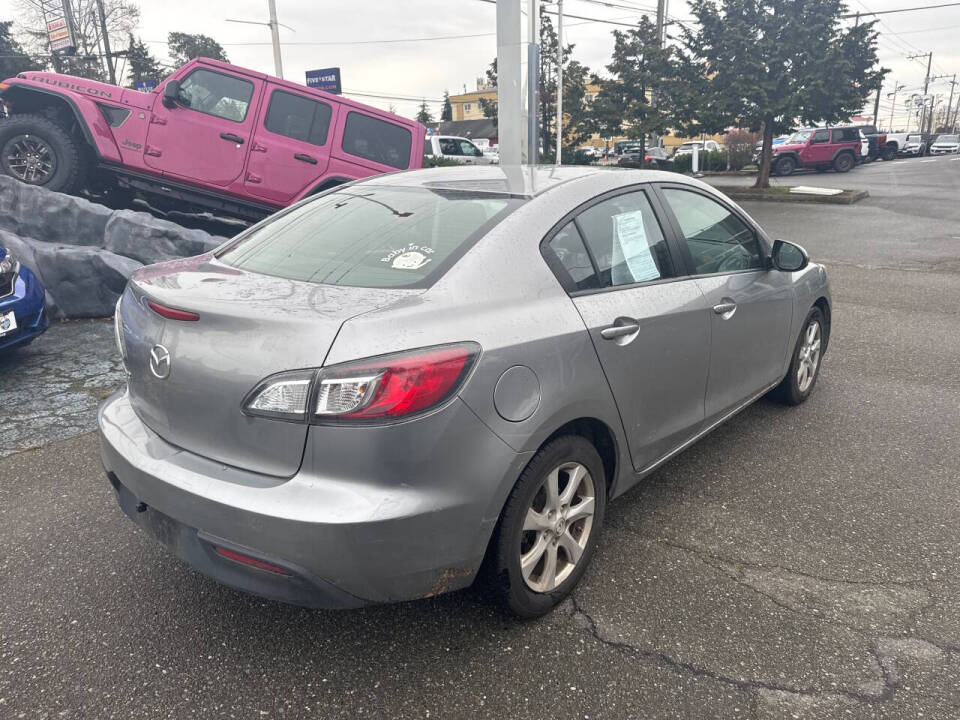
(23, 313)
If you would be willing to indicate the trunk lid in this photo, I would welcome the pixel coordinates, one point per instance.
(250, 326)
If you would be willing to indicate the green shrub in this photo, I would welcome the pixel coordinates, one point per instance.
(432, 161)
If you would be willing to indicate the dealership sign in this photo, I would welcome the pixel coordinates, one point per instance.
(59, 28)
(327, 80)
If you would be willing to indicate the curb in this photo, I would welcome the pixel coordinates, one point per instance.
(849, 197)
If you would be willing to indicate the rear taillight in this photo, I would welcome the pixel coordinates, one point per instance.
(375, 390)
(172, 313)
(251, 561)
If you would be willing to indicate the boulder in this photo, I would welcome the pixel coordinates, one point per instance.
(84, 282)
(151, 240)
(31, 211)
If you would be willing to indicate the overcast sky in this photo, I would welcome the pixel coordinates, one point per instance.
(328, 32)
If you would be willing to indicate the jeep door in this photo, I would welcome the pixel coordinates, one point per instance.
(290, 150)
(819, 151)
(751, 304)
(205, 136)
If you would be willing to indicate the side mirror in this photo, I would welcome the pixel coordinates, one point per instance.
(789, 257)
(171, 91)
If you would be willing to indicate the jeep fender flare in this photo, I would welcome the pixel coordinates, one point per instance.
(843, 150)
(791, 154)
(99, 138)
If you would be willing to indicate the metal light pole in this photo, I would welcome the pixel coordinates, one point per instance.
(893, 105)
(274, 35)
(559, 80)
(111, 72)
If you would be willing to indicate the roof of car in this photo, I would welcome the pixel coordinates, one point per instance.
(523, 181)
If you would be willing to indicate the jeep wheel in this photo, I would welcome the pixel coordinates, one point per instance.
(37, 151)
(888, 153)
(844, 162)
(785, 166)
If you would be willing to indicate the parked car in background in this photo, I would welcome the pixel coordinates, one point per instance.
(911, 144)
(876, 143)
(590, 151)
(23, 314)
(655, 158)
(457, 148)
(818, 149)
(703, 146)
(445, 370)
(945, 145)
(211, 136)
(492, 152)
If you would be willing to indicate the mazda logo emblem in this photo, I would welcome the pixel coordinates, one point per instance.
(160, 362)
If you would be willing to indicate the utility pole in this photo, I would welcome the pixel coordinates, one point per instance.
(876, 106)
(893, 105)
(926, 86)
(275, 36)
(946, 119)
(559, 80)
(111, 72)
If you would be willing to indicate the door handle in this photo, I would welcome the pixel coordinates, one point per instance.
(617, 331)
(724, 308)
(302, 157)
(232, 138)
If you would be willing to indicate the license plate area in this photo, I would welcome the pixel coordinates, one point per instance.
(8, 323)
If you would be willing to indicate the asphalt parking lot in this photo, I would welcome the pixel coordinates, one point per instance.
(797, 563)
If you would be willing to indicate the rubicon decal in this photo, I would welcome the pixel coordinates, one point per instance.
(71, 86)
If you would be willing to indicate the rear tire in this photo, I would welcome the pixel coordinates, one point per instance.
(843, 163)
(808, 351)
(531, 522)
(37, 151)
(889, 153)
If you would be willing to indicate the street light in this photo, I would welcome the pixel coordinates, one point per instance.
(274, 34)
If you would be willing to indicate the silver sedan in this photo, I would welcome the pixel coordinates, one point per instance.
(388, 389)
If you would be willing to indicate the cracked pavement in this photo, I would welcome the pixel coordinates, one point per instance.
(797, 563)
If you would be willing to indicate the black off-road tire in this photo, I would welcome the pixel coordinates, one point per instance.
(788, 392)
(68, 170)
(844, 162)
(502, 566)
(888, 153)
(784, 166)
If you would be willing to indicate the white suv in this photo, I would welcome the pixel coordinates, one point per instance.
(457, 148)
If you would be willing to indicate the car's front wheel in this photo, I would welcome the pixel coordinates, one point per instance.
(785, 166)
(549, 527)
(844, 163)
(37, 151)
(805, 362)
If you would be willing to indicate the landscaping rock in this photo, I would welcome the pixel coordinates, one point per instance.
(31, 211)
(149, 240)
(84, 282)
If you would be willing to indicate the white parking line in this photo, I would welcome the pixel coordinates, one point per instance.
(926, 161)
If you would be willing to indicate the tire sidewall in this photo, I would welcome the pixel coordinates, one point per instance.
(521, 599)
(843, 163)
(65, 153)
(786, 166)
(796, 396)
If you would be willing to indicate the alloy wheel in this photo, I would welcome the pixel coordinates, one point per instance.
(809, 358)
(556, 528)
(29, 158)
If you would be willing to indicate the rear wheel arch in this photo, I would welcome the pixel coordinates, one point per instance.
(598, 434)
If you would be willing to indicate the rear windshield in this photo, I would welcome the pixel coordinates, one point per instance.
(363, 236)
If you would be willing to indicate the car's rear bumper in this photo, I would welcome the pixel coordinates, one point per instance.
(340, 542)
(29, 307)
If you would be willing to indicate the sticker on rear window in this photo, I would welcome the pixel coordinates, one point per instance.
(411, 257)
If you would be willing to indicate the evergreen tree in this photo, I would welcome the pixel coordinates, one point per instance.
(489, 107)
(13, 58)
(769, 64)
(424, 116)
(577, 124)
(184, 47)
(142, 66)
(446, 115)
(639, 66)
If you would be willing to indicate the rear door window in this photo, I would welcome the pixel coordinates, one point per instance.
(625, 241)
(371, 236)
(297, 117)
(373, 139)
(568, 248)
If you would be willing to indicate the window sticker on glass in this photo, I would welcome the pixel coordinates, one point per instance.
(632, 256)
(411, 257)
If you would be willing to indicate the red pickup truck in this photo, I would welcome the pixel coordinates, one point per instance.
(212, 136)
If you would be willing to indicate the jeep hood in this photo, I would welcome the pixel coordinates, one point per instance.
(90, 89)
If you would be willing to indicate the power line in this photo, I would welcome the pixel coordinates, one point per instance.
(351, 42)
(578, 17)
(900, 10)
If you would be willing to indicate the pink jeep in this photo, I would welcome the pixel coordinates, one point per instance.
(212, 136)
